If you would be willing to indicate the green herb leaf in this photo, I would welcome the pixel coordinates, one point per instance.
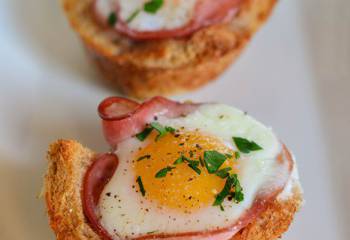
(144, 157)
(170, 129)
(246, 146)
(238, 196)
(162, 131)
(224, 192)
(133, 15)
(236, 193)
(153, 6)
(163, 172)
(179, 160)
(112, 19)
(142, 189)
(194, 166)
(228, 155)
(222, 207)
(144, 134)
(213, 160)
(237, 155)
(223, 173)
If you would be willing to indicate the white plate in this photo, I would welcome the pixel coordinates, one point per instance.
(294, 77)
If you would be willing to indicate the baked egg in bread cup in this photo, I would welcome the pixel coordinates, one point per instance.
(161, 47)
(175, 171)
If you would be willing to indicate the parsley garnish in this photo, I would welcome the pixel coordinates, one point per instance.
(153, 6)
(162, 131)
(144, 157)
(179, 160)
(163, 172)
(112, 19)
(246, 146)
(170, 129)
(194, 165)
(237, 194)
(144, 134)
(133, 15)
(224, 192)
(223, 173)
(232, 188)
(142, 189)
(237, 155)
(213, 160)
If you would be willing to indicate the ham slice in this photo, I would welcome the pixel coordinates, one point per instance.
(123, 118)
(206, 13)
(104, 166)
(96, 178)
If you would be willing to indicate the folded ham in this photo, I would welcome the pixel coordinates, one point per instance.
(203, 13)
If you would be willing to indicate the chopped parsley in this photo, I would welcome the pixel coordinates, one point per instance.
(246, 146)
(232, 188)
(237, 155)
(162, 131)
(139, 182)
(179, 160)
(133, 15)
(163, 172)
(237, 194)
(144, 157)
(194, 166)
(153, 6)
(223, 173)
(224, 192)
(213, 160)
(144, 134)
(170, 129)
(112, 19)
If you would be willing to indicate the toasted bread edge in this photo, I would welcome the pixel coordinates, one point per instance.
(67, 163)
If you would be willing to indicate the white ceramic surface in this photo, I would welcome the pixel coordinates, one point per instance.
(294, 76)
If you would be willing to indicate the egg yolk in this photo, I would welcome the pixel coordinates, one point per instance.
(181, 188)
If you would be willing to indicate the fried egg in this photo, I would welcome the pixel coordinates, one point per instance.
(155, 189)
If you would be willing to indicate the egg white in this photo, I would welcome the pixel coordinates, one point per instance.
(124, 212)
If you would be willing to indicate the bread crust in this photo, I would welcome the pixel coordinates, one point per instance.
(68, 161)
(161, 67)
